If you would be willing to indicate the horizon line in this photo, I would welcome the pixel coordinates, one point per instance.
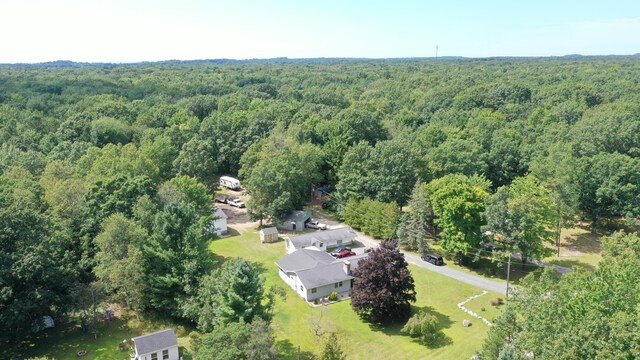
(446, 57)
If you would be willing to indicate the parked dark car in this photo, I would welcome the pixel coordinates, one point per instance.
(220, 198)
(345, 253)
(489, 246)
(435, 259)
(338, 250)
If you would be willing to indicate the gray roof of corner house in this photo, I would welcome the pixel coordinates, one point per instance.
(155, 341)
(323, 275)
(304, 259)
(323, 236)
(269, 230)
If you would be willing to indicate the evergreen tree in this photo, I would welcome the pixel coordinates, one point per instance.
(332, 349)
(176, 257)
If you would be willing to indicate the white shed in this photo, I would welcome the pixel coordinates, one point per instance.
(268, 235)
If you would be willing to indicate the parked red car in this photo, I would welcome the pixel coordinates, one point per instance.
(344, 253)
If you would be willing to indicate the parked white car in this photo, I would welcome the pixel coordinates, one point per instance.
(236, 202)
(315, 224)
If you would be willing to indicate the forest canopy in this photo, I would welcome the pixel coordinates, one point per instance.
(113, 165)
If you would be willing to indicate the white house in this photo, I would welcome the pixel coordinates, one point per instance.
(268, 235)
(315, 274)
(321, 240)
(295, 221)
(161, 345)
(219, 223)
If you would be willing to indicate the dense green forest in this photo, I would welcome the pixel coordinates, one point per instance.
(108, 171)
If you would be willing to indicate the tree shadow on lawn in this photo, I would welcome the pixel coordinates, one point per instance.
(288, 351)
(573, 264)
(586, 243)
(395, 329)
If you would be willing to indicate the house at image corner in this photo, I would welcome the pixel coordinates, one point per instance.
(160, 345)
(314, 274)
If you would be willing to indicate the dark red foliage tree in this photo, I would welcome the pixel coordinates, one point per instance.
(383, 287)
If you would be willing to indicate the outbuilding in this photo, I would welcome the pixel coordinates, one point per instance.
(269, 235)
(218, 225)
(295, 221)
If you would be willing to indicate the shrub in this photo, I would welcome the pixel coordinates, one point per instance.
(424, 327)
(333, 296)
(497, 302)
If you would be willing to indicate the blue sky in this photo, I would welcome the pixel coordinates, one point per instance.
(145, 30)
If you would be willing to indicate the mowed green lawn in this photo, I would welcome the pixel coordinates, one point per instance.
(65, 342)
(294, 320)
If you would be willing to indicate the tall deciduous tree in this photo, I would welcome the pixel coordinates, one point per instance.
(458, 204)
(279, 179)
(557, 172)
(524, 214)
(35, 271)
(608, 186)
(119, 261)
(197, 158)
(383, 288)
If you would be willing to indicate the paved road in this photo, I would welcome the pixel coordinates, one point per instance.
(474, 280)
(470, 279)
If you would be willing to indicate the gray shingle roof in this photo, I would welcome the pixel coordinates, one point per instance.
(323, 275)
(155, 341)
(218, 213)
(298, 216)
(325, 236)
(304, 259)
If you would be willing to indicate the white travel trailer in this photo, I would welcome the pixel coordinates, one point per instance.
(230, 183)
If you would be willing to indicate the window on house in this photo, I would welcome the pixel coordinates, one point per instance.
(335, 286)
(301, 288)
(313, 291)
(339, 242)
(340, 284)
(165, 354)
(154, 356)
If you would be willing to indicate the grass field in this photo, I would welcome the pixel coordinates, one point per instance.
(294, 318)
(65, 342)
(579, 248)
(490, 312)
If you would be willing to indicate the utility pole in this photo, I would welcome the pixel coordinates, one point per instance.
(508, 274)
(298, 352)
(436, 52)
